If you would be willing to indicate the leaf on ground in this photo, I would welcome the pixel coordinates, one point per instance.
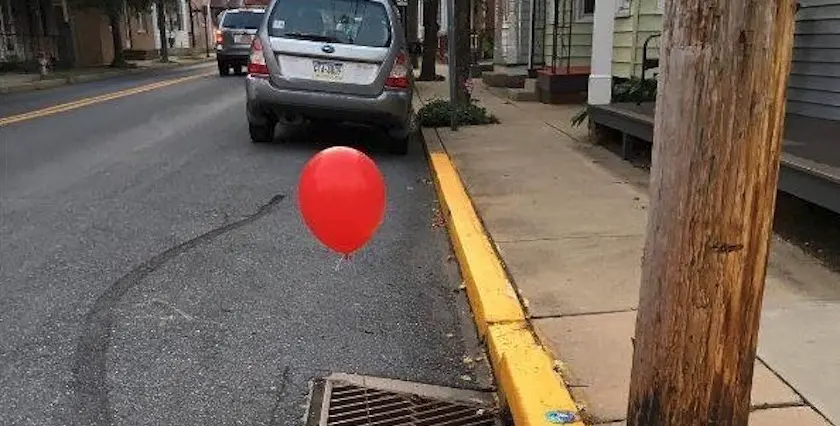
(437, 219)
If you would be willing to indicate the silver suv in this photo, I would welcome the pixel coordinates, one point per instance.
(331, 61)
(237, 28)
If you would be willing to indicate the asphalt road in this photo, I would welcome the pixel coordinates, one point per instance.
(154, 269)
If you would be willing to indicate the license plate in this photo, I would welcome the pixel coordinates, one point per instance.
(242, 39)
(331, 71)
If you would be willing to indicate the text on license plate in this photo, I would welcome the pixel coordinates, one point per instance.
(242, 39)
(328, 70)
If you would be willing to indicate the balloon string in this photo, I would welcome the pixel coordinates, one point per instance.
(340, 260)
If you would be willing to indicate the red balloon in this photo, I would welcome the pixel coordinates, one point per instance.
(341, 196)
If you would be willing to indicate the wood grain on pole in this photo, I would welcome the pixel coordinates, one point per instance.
(719, 120)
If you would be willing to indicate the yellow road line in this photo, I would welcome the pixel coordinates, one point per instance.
(55, 109)
(525, 372)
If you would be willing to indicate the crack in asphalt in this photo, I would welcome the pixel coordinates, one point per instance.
(89, 371)
(281, 390)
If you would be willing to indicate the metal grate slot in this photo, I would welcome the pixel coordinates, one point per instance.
(350, 400)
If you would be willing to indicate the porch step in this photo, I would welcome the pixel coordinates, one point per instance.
(511, 77)
(528, 93)
(478, 70)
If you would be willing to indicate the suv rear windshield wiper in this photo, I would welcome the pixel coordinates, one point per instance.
(311, 37)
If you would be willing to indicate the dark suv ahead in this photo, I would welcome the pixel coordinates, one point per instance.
(237, 28)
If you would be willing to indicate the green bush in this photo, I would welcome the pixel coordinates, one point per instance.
(631, 90)
(438, 113)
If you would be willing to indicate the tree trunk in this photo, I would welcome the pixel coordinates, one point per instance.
(430, 40)
(116, 38)
(411, 29)
(161, 21)
(719, 121)
(462, 50)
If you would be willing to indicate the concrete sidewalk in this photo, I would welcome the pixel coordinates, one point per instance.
(568, 220)
(23, 82)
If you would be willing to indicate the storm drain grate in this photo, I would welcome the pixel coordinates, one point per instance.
(350, 400)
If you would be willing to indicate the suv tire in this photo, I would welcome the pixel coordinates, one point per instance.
(261, 133)
(224, 69)
(399, 145)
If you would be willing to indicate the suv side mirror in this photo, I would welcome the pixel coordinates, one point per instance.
(415, 47)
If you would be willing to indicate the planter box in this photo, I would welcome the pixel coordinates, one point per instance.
(562, 88)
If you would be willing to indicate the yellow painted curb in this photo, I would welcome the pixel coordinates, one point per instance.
(524, 369)
(491, 295)
(526, 377)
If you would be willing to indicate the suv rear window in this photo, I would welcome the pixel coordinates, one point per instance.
(356, 22)
(242, 20)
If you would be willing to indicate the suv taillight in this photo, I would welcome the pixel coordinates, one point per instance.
(256, 62)
(219, 38)
(398, 78)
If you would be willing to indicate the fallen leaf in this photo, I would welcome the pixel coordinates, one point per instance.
(466, 378)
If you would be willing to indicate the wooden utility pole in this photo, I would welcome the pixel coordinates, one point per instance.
(719, 121)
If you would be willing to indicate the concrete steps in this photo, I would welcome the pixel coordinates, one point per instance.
(527, 93)
(508, 77)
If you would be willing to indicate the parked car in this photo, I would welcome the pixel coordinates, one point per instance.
(331, 61)
(237, 28)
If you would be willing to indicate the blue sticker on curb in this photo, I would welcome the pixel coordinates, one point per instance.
(560, 417)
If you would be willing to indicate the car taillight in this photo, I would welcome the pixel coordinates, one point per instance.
(398, 78)
(256, 62)
(219, 37)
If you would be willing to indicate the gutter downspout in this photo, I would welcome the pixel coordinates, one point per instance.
(532, 35)
(635, 55)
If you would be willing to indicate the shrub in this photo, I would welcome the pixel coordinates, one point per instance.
(632, 90)
(438, 113)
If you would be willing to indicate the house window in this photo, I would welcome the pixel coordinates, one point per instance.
(174, 17)
(142, 22)
(584, 9)
(624, 7)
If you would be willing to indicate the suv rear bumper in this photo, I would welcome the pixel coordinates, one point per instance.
(391, 109)
(239, 56)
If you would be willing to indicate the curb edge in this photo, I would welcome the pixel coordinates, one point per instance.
(523, 367)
